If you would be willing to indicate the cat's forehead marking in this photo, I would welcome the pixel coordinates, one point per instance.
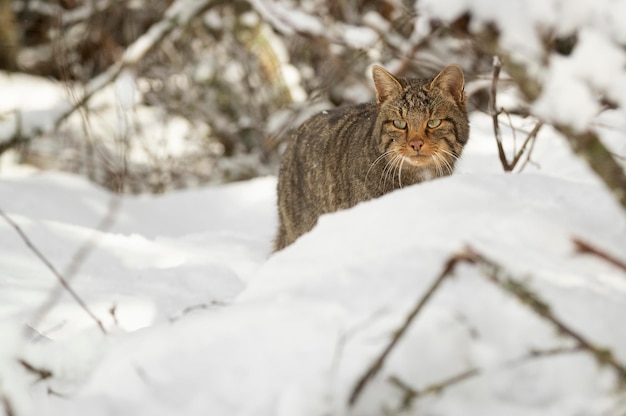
(416, 97)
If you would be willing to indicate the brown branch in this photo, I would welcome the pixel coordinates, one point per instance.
(530, 152)
(8, 406)
(178, 15)
(531, 136)
(42, 373)
(378, 363)
(586, 248)
(411, 394)
(62, 281)
(505, 281)
(499, 276)
(495, 112)
(588, 146)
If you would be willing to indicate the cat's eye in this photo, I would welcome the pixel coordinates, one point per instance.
(399, 124)
(435, 122)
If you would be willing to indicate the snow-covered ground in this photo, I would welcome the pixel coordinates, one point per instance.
(202, 319)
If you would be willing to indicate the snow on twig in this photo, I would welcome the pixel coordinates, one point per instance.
(179, 14)
(498, 275)
(66, 17)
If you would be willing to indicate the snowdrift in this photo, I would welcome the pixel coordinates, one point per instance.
(202, 319)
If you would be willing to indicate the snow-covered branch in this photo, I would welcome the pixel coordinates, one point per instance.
(179, 14)
(514, 286)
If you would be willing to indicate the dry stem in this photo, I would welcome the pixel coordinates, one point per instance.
(378, 363)
(62, 280)
(505, 281)
(586, 248)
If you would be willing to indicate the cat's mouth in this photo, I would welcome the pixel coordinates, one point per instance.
(417, 159)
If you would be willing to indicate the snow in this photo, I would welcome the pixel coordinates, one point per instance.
(287, 18)
(207, 321)
(202, 319)
(573, 86)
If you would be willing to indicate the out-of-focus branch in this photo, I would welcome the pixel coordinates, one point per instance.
(7, 405)
(586, 144)
(586, 248)
(61, 279)
(178, 15)
(66, 17)
(513, 286)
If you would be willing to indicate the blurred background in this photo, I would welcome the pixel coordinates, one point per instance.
(144, 96)
(214, 99)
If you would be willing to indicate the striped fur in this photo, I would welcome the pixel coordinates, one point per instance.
(341, 157)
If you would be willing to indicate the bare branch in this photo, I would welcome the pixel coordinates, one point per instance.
(531, 136)
(378, 363)
(586, 248)
(41, 373)
(494, 112)
(532, 146)
(586, 145)
(505, 281)
(178, 15)
(411, 394)
(62, 281)
(7, 405)
(499, 276)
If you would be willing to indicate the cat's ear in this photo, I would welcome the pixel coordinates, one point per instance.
(387, 86)
(451, 81)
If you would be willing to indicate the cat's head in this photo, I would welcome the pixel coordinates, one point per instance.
(422, 123)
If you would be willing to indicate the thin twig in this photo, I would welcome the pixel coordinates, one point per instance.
(531, 136)
(499, 276)
(178, 15)
(378, 363)
(411, 394)
(62, 281)
(494, 112)
(7, 405)
(78, 260)
(586, 248)
(41, 373)
(529, 153)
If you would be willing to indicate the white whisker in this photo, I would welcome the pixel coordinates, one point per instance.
(436, 163)
(389, 169)
(378, 159)
(449, 165)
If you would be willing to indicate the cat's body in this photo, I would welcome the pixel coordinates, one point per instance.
(414, 132)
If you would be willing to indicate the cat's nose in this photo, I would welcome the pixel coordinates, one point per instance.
(416, 144)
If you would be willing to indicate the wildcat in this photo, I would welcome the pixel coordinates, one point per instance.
(415, 131)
